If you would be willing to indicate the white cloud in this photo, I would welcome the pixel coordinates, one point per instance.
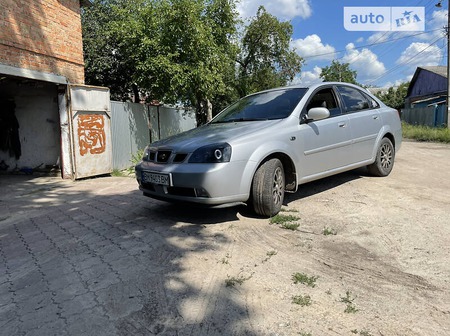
(309, 77)
(364, 62)
(311, 46)
(420, 54)
(435, 26)
(283, 9)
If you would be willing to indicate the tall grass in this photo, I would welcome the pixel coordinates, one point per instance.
(425, 133)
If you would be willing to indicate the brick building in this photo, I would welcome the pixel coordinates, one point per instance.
(43, 36)
(41, 56)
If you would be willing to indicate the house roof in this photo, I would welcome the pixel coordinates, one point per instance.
(433, 86)
(440, 70)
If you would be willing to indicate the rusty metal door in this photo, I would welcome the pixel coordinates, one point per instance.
(90, 119)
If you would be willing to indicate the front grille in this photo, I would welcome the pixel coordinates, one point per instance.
(179, 158)
(179, 191)
(163, 156)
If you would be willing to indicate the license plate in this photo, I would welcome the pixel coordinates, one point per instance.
(155, 178)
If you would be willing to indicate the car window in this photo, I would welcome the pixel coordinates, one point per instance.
(372, 102)
(354, 99)
(325, 98)
(276, 104)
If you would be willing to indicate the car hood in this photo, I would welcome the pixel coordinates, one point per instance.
(212, 133)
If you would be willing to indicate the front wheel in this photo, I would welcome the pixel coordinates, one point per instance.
(384, 162)
(268, 188)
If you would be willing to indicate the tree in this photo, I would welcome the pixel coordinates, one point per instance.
(338, 72)
(174, 51)
(106, 61)
(395, 97)
(266, 59)
(185, 52)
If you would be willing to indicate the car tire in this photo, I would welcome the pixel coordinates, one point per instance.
(384, 161)
(268, 188)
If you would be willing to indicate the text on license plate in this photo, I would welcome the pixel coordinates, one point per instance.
(163, 179)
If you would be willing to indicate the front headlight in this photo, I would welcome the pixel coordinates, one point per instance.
(215, 153)
(146, 154)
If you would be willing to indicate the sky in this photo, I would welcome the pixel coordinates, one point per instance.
(380, 58)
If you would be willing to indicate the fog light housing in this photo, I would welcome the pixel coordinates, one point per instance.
(201, 192)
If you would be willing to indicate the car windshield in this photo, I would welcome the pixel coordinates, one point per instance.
(277, 104)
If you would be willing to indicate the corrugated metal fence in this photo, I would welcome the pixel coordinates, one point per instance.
(134, 126)
(427, 116)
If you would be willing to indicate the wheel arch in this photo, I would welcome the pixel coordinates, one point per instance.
(290, 173)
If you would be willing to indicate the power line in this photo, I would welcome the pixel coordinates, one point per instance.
(406, 62)
(372, 44)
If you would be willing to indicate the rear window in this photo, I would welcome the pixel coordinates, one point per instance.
(354, 99)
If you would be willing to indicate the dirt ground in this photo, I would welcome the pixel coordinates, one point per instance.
(371, 256)
(382, 269)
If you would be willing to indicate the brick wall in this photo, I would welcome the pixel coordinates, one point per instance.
(42, 35)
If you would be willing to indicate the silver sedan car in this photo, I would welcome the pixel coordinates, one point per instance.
(269, 143)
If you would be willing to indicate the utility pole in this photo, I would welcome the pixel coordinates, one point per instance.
(447, 30)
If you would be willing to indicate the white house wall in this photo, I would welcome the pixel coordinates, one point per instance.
(39, 128)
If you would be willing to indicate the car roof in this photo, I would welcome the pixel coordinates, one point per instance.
(312, 87)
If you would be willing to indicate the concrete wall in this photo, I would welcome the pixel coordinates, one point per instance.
(38, 116)
(42, 35)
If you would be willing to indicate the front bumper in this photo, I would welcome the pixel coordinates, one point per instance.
(202, 183)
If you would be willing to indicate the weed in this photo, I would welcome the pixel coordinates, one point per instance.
(288, 210)
(328, 292)
(281, 219)
(350, 308)
(232, 281)
(135, 159)
(304, 279)
(302, 300)
(304, 333)
(117, 173)
(362, 332)
(347, 299)
(425, 133)
(327, 231)
(290, 226)
(270, 254)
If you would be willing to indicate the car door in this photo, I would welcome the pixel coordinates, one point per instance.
(364, 121)
(325, 143)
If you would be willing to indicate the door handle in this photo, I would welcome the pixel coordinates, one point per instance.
(375, 117)
(342, 125)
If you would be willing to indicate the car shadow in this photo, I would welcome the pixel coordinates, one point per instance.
(316, 187)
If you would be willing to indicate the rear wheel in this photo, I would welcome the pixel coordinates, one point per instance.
(268, 188)
(384, 161)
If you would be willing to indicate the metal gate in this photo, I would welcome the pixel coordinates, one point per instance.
(90, 121)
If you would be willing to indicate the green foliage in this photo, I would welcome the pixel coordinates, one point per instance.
(395, 97)
(327, 232)
(233, 281)
(281, 219)
(338, 72)
(185, 51)
(266, 59)
(302, 300)
(290, 226)
(304, 279)
(107, 62)
(425, 133)
(348, 300)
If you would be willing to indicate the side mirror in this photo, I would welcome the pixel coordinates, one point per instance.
(317, 113)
